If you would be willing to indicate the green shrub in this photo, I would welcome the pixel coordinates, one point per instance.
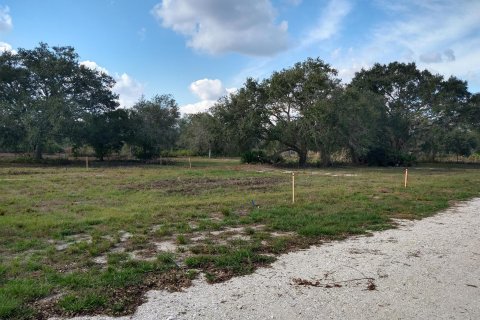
(254, 156)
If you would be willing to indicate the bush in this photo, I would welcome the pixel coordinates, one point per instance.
(385, 157)
(176, 153)
(254, 156)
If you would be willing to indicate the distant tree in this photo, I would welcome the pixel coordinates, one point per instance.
(154, 125)
(419, 108)
(13, 80)
(472, 113)
(358, 121)
(297, 100)
(460, 143)
(107, 132)
(48, 93)
(404, 90)
(198, 134)
(288, 111)
(449, 112)
(241, 119)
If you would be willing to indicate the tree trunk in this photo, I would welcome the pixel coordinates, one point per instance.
(354, 156)
(302, 158)
(38, 152)
(325, 159)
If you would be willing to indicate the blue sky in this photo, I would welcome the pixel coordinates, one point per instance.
(199, 50)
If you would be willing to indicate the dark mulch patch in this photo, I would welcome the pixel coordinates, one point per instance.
(129, 297)
(194, 186)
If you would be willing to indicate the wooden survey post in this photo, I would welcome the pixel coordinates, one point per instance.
(406, 177)
(293, 187)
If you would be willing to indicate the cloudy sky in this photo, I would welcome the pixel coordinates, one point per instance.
(199, 50)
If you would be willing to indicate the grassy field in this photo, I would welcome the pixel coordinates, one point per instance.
(77, 241)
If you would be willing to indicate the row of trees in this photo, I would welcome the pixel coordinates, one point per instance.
(148, 128)
(386, 115)
(49, 100)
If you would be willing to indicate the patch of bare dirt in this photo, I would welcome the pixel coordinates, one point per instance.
(70, 240)
(193, 186)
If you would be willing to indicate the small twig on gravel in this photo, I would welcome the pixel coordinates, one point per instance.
(334, 284)
(371, 285)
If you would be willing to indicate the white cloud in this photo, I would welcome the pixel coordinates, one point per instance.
(219, 26)
(128, 89)
(439, 35)
(197, 107)
(5, 47)
(329, 22)
(93, 65)
(5, 19)
(209, 91)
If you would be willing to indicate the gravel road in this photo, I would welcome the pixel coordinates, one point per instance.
(428, 269)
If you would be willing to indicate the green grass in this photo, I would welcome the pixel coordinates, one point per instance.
(226, 219)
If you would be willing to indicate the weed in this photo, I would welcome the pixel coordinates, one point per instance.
(279, 245)
(181, 239)
(191, 274)
(115, 259)
(163, 231)
(166, 258)
(226, 212)
(250, 231)
(81, 303)
(210, 277)
(139, 241)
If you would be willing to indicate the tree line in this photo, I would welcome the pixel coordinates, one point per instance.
(48, 101)
(387, 114)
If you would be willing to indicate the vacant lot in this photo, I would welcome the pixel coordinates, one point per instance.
(77, 241)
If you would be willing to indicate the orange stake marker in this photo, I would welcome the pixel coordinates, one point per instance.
(293, 187)
(406, 177)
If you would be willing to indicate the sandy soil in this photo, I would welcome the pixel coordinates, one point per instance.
(428, 269)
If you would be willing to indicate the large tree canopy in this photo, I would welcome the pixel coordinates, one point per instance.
(154, 125)
(107, 132)
(198, 134)
(241, 119)
(45, 95)
(419, 109)
(282, 109)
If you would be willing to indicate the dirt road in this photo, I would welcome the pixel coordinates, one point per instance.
(428, 269)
